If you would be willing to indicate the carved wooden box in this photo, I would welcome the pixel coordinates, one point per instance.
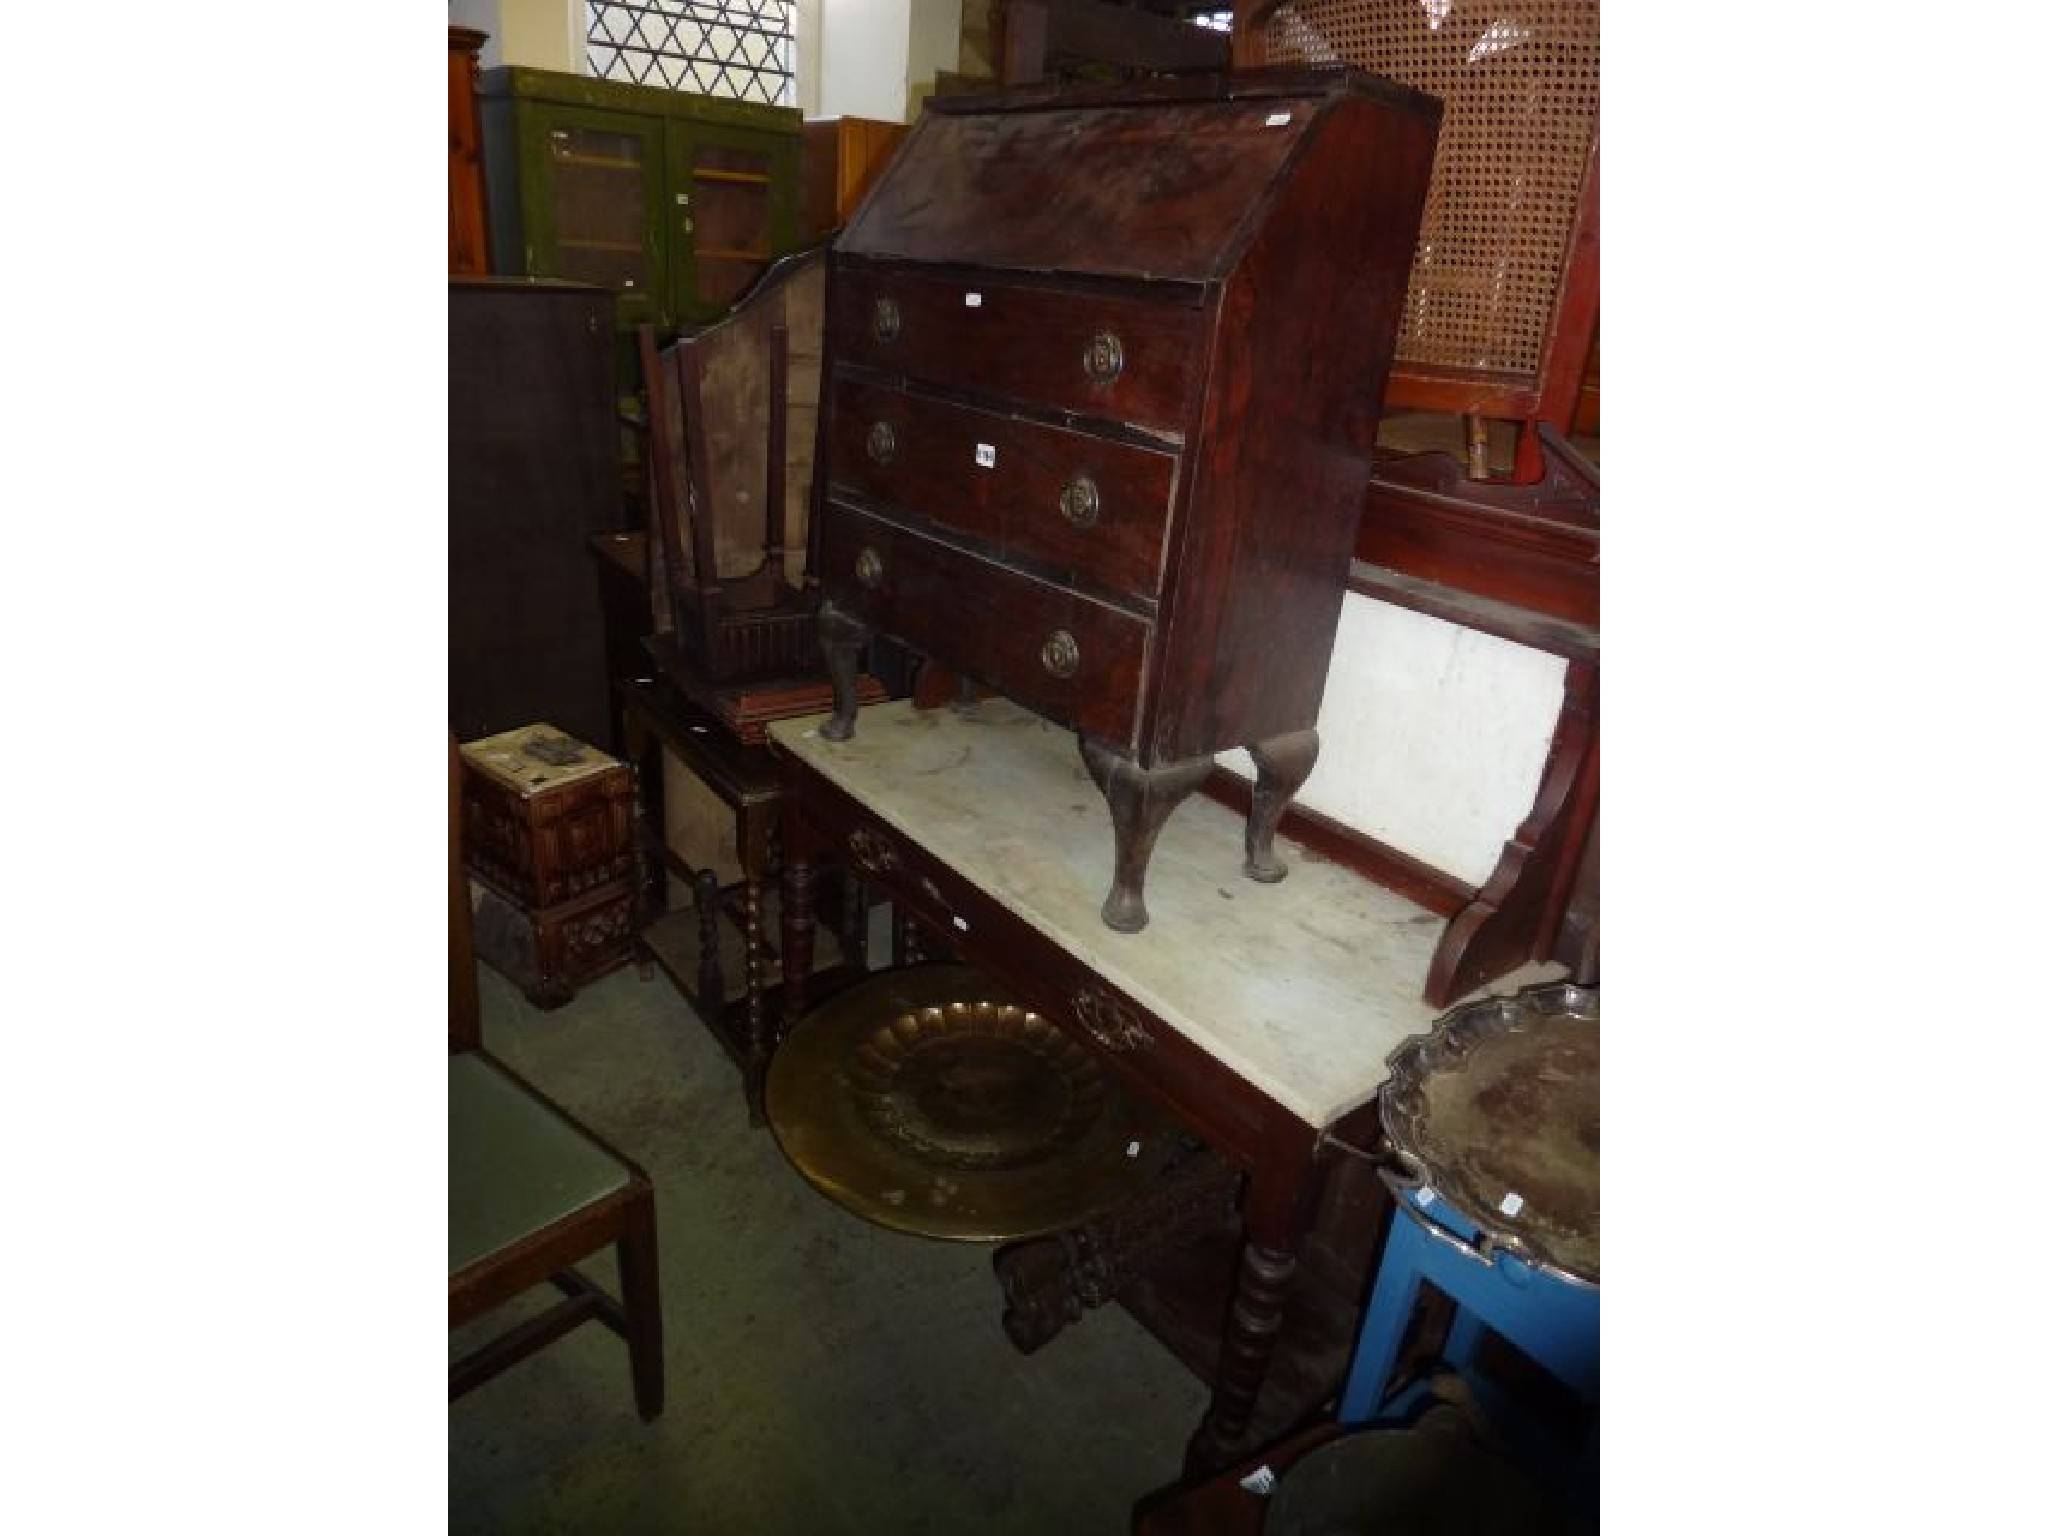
(548, 836)
(545, 817)
(1103, 371)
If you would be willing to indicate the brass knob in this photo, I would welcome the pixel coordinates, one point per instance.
(1060, 655)
(888, 320)
(881, 442)
(867, 568)
(1104, 358)
(1080, 502)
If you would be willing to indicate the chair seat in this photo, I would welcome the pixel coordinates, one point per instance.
(516, 1166)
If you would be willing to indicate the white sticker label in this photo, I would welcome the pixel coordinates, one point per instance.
(1279, 119)
(1511, 1204)
(985, 455)
(974, 301)
(1132, 1149)
(960, 923)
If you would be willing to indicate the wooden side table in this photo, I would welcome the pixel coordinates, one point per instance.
(746, 780)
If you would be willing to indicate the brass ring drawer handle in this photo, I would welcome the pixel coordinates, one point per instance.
(867, 569)
(888, 320)
(1080, 502)
(881, 442)
(1060, 655)
(1104, 359)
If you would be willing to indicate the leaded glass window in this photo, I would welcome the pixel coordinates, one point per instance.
(745, 49)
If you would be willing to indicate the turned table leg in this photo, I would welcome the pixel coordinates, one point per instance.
(1140, 801)
(799, 923)
(710, 966)
(1284, 764)
(1279, 1207)
(840, 637)
(755, 1073)
(1264, 1276)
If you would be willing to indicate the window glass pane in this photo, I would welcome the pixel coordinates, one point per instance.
(744, 49)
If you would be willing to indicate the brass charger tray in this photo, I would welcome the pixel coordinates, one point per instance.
(1497, 1108)
(932, 1101)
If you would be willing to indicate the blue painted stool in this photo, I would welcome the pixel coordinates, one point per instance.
(1551, 1317)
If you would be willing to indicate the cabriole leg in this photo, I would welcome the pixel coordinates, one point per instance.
(1284, 764)
(840, 637)
(1140, 800)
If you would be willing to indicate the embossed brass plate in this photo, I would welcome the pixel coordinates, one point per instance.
(1498, 1109)
(931, 1101)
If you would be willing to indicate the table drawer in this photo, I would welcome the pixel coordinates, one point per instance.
(1069, 657)
(1153, 1059)
(1104, 355)
(1079, 502)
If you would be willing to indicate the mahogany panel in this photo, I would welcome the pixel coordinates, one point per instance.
(999, 191)
(1518, 912)
(929, 593)
(969, 332)
(469, 247)
(1285, 443)
(1011, 480)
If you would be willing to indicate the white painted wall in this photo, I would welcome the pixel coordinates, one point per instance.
(539, 34)
(934, 42)
(863, 63)
(1433, 736)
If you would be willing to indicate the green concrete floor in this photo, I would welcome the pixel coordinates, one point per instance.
(824, 1375)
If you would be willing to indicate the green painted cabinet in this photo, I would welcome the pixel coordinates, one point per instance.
(674, 202)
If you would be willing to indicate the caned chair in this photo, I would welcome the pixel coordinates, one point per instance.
(532, 1192)
(1504, 296)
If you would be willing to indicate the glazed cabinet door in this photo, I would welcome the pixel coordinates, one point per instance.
(593, 189)
(733, 211)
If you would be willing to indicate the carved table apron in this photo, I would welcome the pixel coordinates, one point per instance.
(1260, 1015)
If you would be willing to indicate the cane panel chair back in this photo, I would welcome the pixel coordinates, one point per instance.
(1503, 298)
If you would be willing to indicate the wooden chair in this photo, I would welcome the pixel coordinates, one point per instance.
(731, 424)
(531, 1192)
(1504, 297)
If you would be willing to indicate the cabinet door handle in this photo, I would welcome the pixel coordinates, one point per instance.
(1104, 358)
(888, 320)
(1080, 502)
(1060, 655)
(881, 442)
(867, 569)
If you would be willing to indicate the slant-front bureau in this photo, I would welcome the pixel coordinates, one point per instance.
(1104, 373)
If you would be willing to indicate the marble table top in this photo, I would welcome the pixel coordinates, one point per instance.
(1301, 988)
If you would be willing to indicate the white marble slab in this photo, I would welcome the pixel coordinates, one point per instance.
(1434, 736)
(1301, 988)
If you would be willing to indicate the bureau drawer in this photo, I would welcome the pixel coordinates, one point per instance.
(1069, 657)
(1094, 508)
(1105, 355)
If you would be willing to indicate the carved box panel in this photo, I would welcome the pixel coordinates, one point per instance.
(546, 818)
